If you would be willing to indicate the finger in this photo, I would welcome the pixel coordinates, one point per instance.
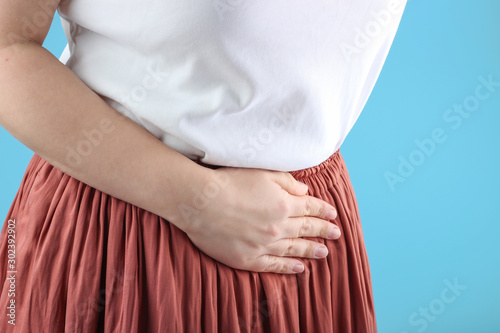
(306, 226)
(298, 248)
(273, 264)
(311, 206)
(290, 184)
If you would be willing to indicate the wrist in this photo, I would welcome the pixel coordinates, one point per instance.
(188, 194)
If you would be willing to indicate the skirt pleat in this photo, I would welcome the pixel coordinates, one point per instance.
(88, 262)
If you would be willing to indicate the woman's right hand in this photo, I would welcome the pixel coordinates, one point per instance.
(254, 220)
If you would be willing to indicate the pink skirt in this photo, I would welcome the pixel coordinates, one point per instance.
(84, 261)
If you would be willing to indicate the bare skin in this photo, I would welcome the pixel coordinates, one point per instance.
(50, 110)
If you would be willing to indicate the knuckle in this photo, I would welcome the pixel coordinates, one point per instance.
(270, 267)
(324, 230)
(273, 231)
(276, 266)
(305, 228)
(321, 211)
(289, 250)
(307, 207)
(310, 249)
(282, 267)
(282, 207)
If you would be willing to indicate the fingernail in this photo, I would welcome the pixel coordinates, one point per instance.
(321, 252)
(298, 268)
(334, 233)
(331, 215)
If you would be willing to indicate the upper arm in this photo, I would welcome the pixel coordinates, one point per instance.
(25, 20)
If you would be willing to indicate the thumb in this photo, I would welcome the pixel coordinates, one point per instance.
(290, 184)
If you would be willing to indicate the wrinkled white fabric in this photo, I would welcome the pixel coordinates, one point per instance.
(274, 84)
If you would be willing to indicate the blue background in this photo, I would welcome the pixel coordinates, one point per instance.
(441, 223)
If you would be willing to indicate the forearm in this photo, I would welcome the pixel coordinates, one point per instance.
(50, 110)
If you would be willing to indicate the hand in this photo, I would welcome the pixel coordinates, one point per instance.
(254, 219)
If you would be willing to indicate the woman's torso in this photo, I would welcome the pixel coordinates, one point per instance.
(274, 84)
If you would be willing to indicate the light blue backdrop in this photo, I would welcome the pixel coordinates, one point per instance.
(431, 213)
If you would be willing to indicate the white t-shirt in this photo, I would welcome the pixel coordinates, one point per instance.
(273, 84)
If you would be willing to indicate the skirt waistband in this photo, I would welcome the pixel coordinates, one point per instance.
(334, 159)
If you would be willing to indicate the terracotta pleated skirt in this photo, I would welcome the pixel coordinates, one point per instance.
(88, 262)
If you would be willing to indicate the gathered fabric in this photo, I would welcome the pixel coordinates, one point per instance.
(88, 262)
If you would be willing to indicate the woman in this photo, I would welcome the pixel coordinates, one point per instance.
(186, 174)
